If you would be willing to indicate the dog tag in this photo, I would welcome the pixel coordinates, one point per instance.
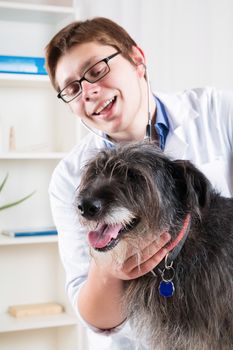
(166, 289)
(166, 286)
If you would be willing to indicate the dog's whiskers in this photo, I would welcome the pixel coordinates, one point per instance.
(119, 215)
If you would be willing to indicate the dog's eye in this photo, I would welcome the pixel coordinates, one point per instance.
(131, 174)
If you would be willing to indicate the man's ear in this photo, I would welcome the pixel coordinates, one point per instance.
(137, 56)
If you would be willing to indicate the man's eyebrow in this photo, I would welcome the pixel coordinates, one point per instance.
(86, 65)
(83, 68)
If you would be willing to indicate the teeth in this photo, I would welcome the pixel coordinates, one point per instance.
(106, 103)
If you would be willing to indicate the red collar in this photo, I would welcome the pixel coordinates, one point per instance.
(175, 246)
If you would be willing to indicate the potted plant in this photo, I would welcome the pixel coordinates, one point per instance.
(12, 204)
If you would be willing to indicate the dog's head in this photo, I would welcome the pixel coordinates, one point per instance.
(135, 189)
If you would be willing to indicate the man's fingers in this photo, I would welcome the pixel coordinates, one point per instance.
(148, 265)
(149, 257)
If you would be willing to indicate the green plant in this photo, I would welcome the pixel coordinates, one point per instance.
(12, 204)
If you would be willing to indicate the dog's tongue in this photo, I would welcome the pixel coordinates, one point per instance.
(103, 235)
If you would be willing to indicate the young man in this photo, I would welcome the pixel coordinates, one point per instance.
(97, 68)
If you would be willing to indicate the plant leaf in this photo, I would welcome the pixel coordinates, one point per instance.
(4, 181)
(12, 204)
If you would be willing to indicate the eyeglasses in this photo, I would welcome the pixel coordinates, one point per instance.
(92, 75)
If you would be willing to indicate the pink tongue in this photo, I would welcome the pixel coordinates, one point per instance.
(103, 235)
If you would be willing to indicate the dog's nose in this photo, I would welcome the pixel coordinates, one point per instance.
(89, 208)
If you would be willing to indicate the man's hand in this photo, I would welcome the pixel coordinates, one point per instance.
(100, 297)
(138, 264)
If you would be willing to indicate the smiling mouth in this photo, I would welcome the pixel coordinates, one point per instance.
(105, 107)
(105, 237)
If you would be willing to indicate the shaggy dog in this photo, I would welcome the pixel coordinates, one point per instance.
(131, 191)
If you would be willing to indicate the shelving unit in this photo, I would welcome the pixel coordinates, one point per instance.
(29, 100)
(45, 130)
(32, 273)
(10, 324)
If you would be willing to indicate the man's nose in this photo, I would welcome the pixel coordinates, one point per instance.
(89, 90)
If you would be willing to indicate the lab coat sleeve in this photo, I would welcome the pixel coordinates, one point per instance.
(73, 247)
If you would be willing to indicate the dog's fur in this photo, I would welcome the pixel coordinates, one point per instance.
(149, 193)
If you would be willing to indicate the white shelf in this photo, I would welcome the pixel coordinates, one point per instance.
(9, 323)
(32, 155)
(24, 77)
(28, 79)
(6, 241)
(22, 11)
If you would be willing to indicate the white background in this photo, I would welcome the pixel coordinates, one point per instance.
(188, 43)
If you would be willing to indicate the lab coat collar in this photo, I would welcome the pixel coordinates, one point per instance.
(179, 114)
(178, 110)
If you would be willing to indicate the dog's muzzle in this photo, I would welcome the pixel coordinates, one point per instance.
(108, 223)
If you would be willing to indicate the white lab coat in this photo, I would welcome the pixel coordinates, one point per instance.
(201, 130)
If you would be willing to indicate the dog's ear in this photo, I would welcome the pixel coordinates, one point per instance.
(195, 186)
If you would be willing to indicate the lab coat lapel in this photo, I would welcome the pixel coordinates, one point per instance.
(180, 115)
(175, 144)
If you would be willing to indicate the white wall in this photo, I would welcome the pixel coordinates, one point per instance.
(188, 43)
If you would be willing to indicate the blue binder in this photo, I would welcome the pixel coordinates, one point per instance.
(22, 65)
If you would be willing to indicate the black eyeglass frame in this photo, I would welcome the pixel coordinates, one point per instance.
(106, 60)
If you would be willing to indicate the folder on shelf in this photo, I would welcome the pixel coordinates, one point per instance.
(22, 65)
(46, 231)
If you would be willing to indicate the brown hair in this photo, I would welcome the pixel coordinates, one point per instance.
(99, 29)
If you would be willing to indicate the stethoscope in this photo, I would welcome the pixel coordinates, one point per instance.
(148, 135)
(148, 132)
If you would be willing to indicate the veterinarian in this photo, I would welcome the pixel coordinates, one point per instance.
(100, 73)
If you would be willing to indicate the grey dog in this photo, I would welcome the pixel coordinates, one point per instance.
(131, 191)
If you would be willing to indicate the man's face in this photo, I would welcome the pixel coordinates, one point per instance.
(116, 103)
